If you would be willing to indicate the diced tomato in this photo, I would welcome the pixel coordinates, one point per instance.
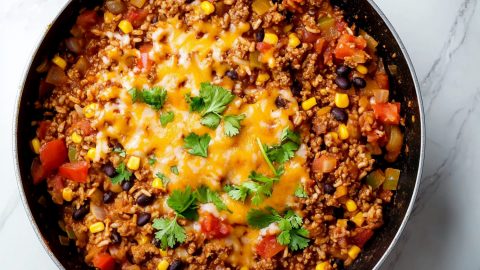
(381, 79)
(341, 25)
(85, 126)
(319, 45)
(104, 261)
(137, 16)
(361, 237)
(87, 19)
(214, 227)
(42, 129)
(307, 36)
(53, 154)
(37, 171)
(57, 182)
(269, 247)
(76, 171)
(263, 47)
(349, 46)
(387, 113)
(145, 61)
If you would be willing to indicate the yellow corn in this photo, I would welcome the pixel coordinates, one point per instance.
(358, 219)
(157, 183)
(207, 7)
(362, 69)
(67, 194)
(261, 6)
(271, 62)
(76, 138)
(163, 253)
(351, 205)
(244, 26)
(341, 100)
(133, 163)
(125, 26)
(35, 145)
(333, 135)
(116, 188)
(342, 223)
(341, 191)
(287, 28)
(57, 60)
(163, 265)
(309, 103)
(343, 132)
(138, 3)
(108, 17)
(262, 77)
(92, 152)
(89, 110)
(97, 227)
(143, 239)
(354, 251)
(324, 110)
(244, 268)
(270, 38)
(321, 266)
(293, 40)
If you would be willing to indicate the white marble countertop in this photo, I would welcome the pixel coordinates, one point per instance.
(443, 39)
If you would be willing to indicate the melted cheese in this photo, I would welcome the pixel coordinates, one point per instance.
(183, 61)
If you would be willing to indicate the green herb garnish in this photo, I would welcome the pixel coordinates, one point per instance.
(197, 145)
(120, 152)
(174, 169)
(300, 192)
(166, 118)
(154, 97)
(232, 124)
(164, 178)
(290, 142)
(205, 195)
(122, 174)
(152, 159)
(184, 203)
(168, 232)
(260, 188)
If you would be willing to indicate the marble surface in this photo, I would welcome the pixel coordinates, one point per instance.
(442, 38)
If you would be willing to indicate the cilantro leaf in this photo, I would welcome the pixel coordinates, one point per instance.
(211, 120)
(216, 98)
(164, 178)
(290, 142)
(299, 239)
(288, 134)
(261, 218)
(232, 124)
(198, 145)
(238, 193)
(169, 233)
(154, 97)
(260, 188)
(174, 170)
(300, 192)
(122, 174)
(196, 103)
(152, 159)
(206, 195)
(262, 178)
(120, 152)
(166, 118)
(183, 203)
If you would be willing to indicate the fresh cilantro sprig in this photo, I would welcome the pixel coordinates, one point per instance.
(120, 152)
(174, 170)
(169, 232)
(166, 118)
(232, 124)
(259, 188)
(292, 233)
(281, 153)
(152, 160)
(197, 145)
(184, 203)
(205, 195)
(300, 192)
(154, 97)
(123, 174)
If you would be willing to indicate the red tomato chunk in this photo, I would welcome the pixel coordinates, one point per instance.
(53, 154)
(269, 247)
(387, 113)
(104, 261)
(214, 227)
(76, 171)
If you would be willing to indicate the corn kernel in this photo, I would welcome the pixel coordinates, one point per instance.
(76, 138)
(354, 251)
(321, 266)
(362, 69)
(133, 163)
(343, 132)
(262, 77)
(341, 100)
(138, 3)
(293, 40)
(163, 253)
(207, 7)
(116, 188)
(163, 265)
(157, 183)
(90, 109)
(244, 268)
(270, 38)
(143, 239)
(108, 17)
(125, 26)
(97, 227)
(287, 28)
(271, 62)
(351, 205)
(35, 145)
(57, 60)
(324, 110)
(67, 194)
(358, 219)
(244, 27)
(92, 152)
(333, 135)
(309, 103)
(342, 223)
(340, 191)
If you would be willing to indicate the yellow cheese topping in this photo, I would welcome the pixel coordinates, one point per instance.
(184, 59)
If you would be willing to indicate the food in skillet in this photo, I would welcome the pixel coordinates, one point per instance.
(217, 135)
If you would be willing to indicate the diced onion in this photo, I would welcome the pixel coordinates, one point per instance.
(381, 95)
(98, 211)
(74, 44)
(56, 76)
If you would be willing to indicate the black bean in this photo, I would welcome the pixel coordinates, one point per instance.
(338, 212)
(115, 237)
(259, 35)
(281, 102)
(144, 200)
(343, 71)
(232, 74)
(157, 242)
(276, 1)
(109, 170)
(176, 265)
(359, 82)
(296, 88)
(81, 212)
(339, 114)
(343, 83)
(108, 197)
(328, 189)
(143, 218)
(339, 263)
(350, 225)
(127, 185)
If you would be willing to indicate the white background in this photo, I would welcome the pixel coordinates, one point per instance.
(443, 39)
